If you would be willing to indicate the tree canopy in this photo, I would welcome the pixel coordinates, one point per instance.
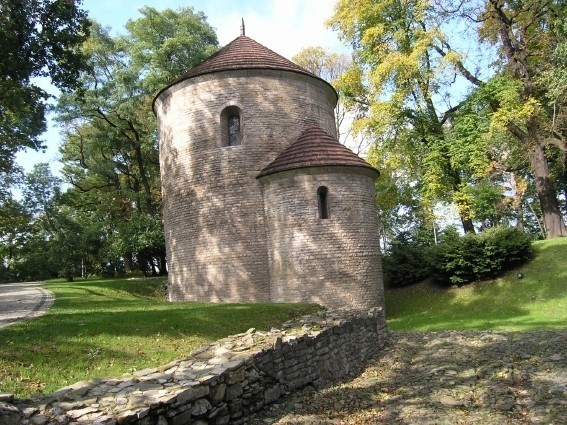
(40, 39)
(110, 148)
(328, 66)
(109, 218)
(462, 135)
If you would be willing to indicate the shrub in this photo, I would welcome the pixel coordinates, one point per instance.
(405, 264)
(461, 260)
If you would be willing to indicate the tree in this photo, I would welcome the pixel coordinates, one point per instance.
(401, 87)
(14, 228)
(40, 38)
(404, 78)
(524, 32)
(110, 148)
(42, 237)
(54, 243)
(329, 66)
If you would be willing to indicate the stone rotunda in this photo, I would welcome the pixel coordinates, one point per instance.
(261, 203)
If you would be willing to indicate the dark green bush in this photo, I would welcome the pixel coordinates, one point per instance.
(461, 260)
(405, 264)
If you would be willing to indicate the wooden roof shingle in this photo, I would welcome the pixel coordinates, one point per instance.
(314, 148)
(243, 53)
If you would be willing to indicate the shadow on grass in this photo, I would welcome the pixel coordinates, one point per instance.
(537, 300)
(107, 328)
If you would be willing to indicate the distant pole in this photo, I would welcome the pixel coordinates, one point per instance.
(435, 233)
(242, 28)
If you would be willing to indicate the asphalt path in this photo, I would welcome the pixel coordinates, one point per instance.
(23, 301)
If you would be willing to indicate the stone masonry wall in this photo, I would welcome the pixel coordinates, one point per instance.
(335, 262)
(212, 203)
(220, 383)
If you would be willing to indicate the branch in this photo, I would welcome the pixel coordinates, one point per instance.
(450, 112)
(517, 131)
(462, 69)
(85, 189)
(554, 141)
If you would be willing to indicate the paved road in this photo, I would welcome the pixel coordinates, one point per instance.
(23, 301)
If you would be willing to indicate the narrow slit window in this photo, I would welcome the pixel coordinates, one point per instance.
(231, 126)
(323, 201)
(233, 130)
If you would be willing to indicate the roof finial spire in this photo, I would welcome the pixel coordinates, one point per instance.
(242, 28)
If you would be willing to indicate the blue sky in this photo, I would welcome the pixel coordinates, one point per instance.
(285, 26)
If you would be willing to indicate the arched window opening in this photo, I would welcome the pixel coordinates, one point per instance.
(233, 130)
(231, 126)
(323, 201)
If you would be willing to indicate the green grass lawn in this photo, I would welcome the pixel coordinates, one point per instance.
(100, 328)
(537, 301)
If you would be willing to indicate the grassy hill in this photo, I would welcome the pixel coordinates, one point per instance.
(108, 327)
(536, 301)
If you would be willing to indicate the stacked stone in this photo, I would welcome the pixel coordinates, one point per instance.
(223, 382)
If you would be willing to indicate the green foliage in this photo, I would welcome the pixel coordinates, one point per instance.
(399, 89)
(405, 263)
(44, 235)
(328, 66)
(40, 38)
(110, 146)
(14, 225)
(461, 260)
(164, 44)
(406, 90)
(537, 301)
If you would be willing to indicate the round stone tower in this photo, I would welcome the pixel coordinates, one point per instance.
(321, 222)
(220, 126)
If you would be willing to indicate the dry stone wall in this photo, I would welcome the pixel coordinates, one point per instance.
(220, 383)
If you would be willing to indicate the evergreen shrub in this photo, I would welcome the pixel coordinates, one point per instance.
(405, 263)
(461, 260)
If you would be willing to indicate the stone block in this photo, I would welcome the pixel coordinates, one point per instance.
(10, 414)
(183, 418)
(192, 393)
(237, 375)
(216, 393)
(235, 408)
(234, 391)
(201, 407)
(272, 394)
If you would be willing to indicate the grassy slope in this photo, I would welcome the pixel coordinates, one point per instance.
(537, 301)
(111, 327)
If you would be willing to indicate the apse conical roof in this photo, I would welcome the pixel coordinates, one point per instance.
(314, 148)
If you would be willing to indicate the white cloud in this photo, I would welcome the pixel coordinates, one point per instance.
(283, 26)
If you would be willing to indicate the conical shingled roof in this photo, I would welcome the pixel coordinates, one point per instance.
(244, 53)
(314, 148)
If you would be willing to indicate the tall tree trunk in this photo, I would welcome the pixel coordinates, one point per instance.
(466, 221)
(468, 225)
(163, 263)
(552, 218)
(128, 263)
(565, 178)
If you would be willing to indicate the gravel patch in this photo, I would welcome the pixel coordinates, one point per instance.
(444, 378)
